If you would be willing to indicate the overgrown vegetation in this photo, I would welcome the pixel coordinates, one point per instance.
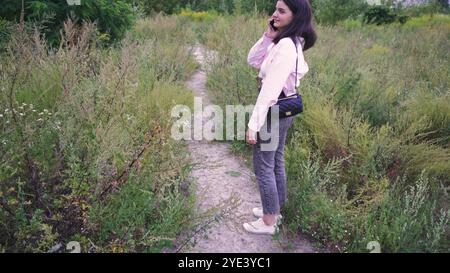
(220, 6)
(85, 147)
(368, 159)
(112, 18)
(86, 152)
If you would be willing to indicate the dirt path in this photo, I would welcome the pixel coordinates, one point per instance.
(226, 192)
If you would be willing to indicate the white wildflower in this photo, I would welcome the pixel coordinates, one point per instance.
(39, 119)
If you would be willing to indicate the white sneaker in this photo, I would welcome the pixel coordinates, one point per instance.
(258, 212)
(259, 227)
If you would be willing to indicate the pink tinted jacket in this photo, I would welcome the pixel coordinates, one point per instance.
(276, 64)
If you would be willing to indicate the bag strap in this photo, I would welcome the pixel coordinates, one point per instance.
(296, 64)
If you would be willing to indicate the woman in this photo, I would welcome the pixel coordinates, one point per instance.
(278, 54)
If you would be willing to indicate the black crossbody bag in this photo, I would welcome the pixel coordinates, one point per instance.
(291, 105)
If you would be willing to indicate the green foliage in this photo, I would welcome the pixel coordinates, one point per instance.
(329, 12)
(429, 8)
(150, 208)
(151, 7)
(232, 6)
(375, 118)
(199, 16)
(112, 17)
(5, 30)
(237, 7)
(427, 20)
(406, 224)
(81, 133)
(381, 14)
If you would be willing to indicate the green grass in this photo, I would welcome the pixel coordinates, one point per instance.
(374, 134)
(87, 154)
(86, 150)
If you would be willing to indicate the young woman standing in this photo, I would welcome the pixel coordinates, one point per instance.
(278, 55)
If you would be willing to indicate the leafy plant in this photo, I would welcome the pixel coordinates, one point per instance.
(381, 14)
(112, 17)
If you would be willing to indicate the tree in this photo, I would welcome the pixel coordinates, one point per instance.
(112, 17)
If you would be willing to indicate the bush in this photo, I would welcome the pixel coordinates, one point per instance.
(151, 7)
(406, 224)
(80, 128)
(237, 6)
(431, 7)
(377, 115)
(113, 17)
(329, 12)
(199, 16)
(4, 33)
(381, 14)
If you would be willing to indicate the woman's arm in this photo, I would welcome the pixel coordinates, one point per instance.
(277, 72)
(258, 51)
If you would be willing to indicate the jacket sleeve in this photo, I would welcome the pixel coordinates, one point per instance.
(277, 72)
(258, 51)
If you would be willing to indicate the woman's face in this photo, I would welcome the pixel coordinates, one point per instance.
(283, 15)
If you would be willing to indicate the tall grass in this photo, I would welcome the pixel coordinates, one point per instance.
(86, 152)
(368, 159)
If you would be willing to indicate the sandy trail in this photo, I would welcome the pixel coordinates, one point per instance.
(226, 190)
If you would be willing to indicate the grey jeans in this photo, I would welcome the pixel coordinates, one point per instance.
(269, 167)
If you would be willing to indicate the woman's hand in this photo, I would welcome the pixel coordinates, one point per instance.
(250, 137)
(270, 32)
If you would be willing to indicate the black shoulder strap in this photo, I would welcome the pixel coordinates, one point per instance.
(296, 64)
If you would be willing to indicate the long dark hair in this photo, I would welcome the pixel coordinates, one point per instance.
(301, 25)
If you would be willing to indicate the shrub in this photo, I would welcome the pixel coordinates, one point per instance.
(408, 223)
(376, 116)
(199, 16)
(4, 33)
(112, 17)
(80, 128)
(329, 12)
(381, 14)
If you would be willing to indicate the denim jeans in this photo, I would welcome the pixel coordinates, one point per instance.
(269, 167)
